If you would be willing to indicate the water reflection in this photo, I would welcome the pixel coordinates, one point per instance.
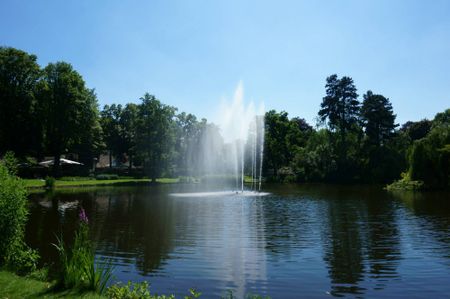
(311, 240)
(343, 245)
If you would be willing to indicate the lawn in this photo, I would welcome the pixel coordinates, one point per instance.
(13, 286)
(33, 183)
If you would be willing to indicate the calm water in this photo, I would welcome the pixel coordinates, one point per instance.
(310, 241)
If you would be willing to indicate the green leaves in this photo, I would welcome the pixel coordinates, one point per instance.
(19, 121)
(69, 112)
(378, 118)
(340, 106)
(14, 253)
(155, 134)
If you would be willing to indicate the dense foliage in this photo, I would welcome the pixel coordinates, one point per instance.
(357, 142)
(50, 111)
(14, 253)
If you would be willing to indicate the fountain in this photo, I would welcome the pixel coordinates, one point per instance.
(227, 152)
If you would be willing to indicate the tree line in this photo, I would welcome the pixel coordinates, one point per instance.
(50, 112)
(357, 142)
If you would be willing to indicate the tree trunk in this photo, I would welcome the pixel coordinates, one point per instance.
(110, 159)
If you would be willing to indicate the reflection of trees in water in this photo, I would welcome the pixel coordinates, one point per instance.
(383, 242)
(359, 231)
(287, 225)
(431, 220)
(52, 215)
(135, 225)
(343, 246)
(361, 240)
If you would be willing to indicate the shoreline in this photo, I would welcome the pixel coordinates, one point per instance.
(33, 184)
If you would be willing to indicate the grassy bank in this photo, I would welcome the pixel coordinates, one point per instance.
(13, 286)
(34, 183)
(86, 182)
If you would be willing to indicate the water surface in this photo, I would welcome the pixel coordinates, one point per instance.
(303, 241)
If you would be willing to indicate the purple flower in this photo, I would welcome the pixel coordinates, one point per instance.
(83, 217)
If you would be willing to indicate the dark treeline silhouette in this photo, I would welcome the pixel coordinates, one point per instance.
(51, 112)
(357, 142)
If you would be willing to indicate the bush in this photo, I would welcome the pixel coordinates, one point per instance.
(405, 183)
(50, 182)
(10, 162)
(14, 253)
(76, 178)
(107, 177)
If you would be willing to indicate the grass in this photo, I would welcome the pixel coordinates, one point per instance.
(87, 181)
(13, 286)
(33, 183)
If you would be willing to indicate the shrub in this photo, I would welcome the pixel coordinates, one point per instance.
(75, 178)
(50, 182)
(10, 162)
(14, 253)
(107, 177)
(405, 183)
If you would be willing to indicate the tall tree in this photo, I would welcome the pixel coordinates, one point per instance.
(340, 105)
(155, 135)
(276, 153)
(89, 142)
(68, 110)
(20, 129)
(188, 135)
(128, 120)
(378, 118)
(110, 122)
(340, 108)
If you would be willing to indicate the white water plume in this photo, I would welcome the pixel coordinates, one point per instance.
(228, 151)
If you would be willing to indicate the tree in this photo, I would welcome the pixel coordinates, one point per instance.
(110, 122)
(276, 153)
(89, 142)
(340, 105)
(188, 135)
(69, 110)
(298, 134)
(340, 109)
(316, 161)
(127, 123)
(429, 159)
(20, 129)
(417, 129)
(378, 118)
(155, 134)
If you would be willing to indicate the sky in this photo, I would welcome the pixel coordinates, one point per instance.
(192, 54)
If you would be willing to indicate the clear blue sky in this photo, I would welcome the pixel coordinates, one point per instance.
(190, 54)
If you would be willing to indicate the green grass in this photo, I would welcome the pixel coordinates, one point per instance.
(33, 183)
(13, 286)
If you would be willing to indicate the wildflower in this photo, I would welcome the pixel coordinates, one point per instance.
(83, 217)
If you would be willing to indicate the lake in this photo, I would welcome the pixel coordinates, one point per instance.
(300, 241)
